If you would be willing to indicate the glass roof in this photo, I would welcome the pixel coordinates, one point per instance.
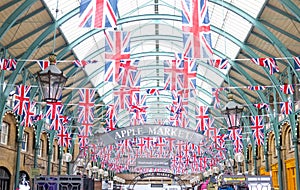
(133, 15)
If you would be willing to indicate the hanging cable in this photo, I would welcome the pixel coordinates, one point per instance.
(55, 27)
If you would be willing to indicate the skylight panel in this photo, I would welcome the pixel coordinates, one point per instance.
(252, 7)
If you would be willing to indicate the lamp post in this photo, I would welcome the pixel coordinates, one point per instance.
(229, 163)
(51, 81)
(232, 111)
(239, 158)
(101, 172)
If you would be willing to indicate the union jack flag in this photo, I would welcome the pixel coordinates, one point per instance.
(64, 137)
(235, 134)
(111, 117)
(86, 105)
(215, 95)
(202, 118)
(256, 88)
(43, 63)
(261, 105)
(8, 64)
(173, 75)
(53, 109)
(28, 116)
(189, 73)
(196, 29)
(270, 63)
(258, 129)
(98, 13)
(297, 63)
(117, 45)
(286, 107)
(128, 73)
(22, 97)
(83, 63)
(138, 108)
(287, 88)
(153, 91)
(219, 63)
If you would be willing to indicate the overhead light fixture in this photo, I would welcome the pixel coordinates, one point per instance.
(51, 81)
(232, 111)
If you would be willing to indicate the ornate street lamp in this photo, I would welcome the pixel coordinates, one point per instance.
(51, 81)
(232, 111)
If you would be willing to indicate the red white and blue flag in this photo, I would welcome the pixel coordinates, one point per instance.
(28, 116)
(129, 75)
(257, 129)
(64, 137)
(137, 108)
(219, 63)
(269, 63)
(111, 117)
(256, 88)
(297, 63)
(98, 13)
(287, 88)
(22, 97)
(196, 29)
(202, 118)
(43, 64)
(86, 105)
(53, 109)
(117, 48)
(153, 91)
(8, 64)
(235, 134)
(286, 107)
(261, 105)
(83, 63)
(173, 75)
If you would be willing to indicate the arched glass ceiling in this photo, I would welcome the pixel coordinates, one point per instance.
(134, 15)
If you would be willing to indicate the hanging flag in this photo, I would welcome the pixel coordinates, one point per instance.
(257, 129)
(53, 109)
(286, 107)
(43, 64)
(219, 63)
(261, 105)
(173, 75)
(8, 64)
(196, 29)
(287, 88)
(22, 97)
(137, 108)
(153, 91)
(128, 74)
(111, 117)
(98, 13)
(235, 134)
(215, 96)
(202, 118)
(117, 45)
(64, 137)
(83, 63)
(297, 63)
(256, 88)
(86, 106)
(116, 49)
(269, 63)
(28, 116)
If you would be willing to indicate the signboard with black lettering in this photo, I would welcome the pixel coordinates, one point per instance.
(153, 162)
(157, 185)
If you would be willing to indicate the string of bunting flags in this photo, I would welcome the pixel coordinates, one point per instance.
(270, 63)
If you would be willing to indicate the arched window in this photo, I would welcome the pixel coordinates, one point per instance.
(4, 133)
(4, 178)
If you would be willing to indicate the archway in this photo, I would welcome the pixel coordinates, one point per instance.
(5, 177)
